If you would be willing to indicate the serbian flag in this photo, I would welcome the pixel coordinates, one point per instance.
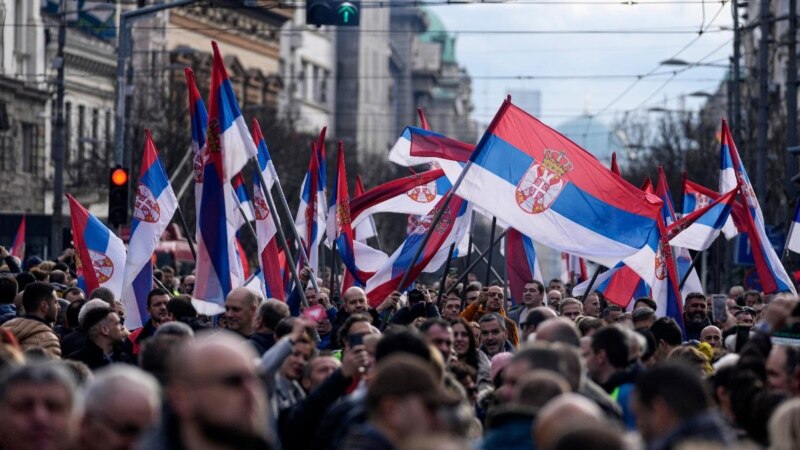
(573, 269)
(706, 223)
(229, 146)
(770, 270)
(17, 249)
(665, 288)
(265, 164)
(451, 228)
(793, 238)
(99, 253)
(272, 283)
(198, 116)
(415, 194)
(242, 199)
(417, 146)
(155, 205)
(697, 196)
(367, 228)
(619, 285)
(311, 211)
(547, 187)
(521, 263)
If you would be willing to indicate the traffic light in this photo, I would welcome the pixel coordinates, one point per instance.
(333, 12)
(118, 196)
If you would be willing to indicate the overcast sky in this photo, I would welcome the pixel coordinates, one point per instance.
(569, 55)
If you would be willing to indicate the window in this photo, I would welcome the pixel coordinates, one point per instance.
(81, 137)
(301, 81)
(109, 137)
(69, 156)
(32, 154)
(323, 87)
(95, 133)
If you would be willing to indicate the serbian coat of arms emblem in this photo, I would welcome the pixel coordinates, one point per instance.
(543, 182)
(146, 208)
(423, 194)
(260, 205)
(102, 265)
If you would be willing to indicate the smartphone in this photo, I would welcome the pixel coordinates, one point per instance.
(719, 308)
(355, 339)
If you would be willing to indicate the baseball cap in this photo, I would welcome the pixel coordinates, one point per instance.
(403, 375)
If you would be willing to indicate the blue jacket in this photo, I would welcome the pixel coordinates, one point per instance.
(7, 312)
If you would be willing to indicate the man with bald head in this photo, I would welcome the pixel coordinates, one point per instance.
(220, 405)
(536, 318)
(713, 336)
(559, 329)
(355, 301)
(240, 309)
(561, 415)
(120, 404)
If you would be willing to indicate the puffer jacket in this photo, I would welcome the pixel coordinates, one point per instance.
(32, 333)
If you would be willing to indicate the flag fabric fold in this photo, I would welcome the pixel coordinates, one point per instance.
(521, 263)
(311, 211)
(573, 269)
(99, 253)
(155, 205)
(450, 229)
(366, 229)
(547, 187)
(17, 248)
(272, 280)
(417, 146)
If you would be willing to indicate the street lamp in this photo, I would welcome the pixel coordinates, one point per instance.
(680, 62)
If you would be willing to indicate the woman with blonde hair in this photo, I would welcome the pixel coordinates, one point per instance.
(784, 426)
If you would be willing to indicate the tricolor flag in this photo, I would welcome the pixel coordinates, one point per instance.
(198, 116)
(17, 249)
(696, 196)
(242, 199)
(705, 223)
(419, 146)
(619, 285)
(99, 253)
(770, 270)
(367, 228)
(547, 187)
(155, 205)
(228, 147)
(521, 263)
(272, 283)
(265, 163)
(416, 195)
(683, 258)
(311, 211)
(573, 269)
(451, 228)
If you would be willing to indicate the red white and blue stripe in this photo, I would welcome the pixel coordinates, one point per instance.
(228, 147)
(417, 146)
(547, 187)
(770, 270)
(451, 229)
(99, 253)
(271, 278)
(521, 263)
(573, 269)
(311, 211)
(366, 229)
(619, 285)
(155, 205)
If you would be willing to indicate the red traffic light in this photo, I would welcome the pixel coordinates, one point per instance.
(119, 176)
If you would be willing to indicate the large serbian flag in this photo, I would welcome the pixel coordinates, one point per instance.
(155, 205)
(100, 254)
(18, 246)
(228, 147)
(770, 270)
(547, 187)
(450, 229)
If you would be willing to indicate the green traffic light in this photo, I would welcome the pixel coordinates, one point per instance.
(346, 11)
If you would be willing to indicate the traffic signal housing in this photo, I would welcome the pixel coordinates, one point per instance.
(333, 12)
(118, 196)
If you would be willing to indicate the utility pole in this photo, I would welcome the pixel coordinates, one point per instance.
(791, 103)
(763, 102)
(58, 136)
(736, 122)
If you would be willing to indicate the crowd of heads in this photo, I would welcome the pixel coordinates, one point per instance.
(465, 367)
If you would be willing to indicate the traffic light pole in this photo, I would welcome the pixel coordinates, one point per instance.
(124, 50)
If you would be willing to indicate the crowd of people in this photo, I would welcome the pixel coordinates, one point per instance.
(456, 367)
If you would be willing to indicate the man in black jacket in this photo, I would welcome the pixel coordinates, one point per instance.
(105, 336)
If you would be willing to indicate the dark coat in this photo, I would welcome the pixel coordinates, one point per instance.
(93, 356)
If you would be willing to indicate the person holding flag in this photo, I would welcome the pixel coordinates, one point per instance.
(155, 205)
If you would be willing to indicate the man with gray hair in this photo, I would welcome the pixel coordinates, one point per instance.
(494, 336)
(240, 309)
(270, 313)
(119, 404)
(37, 404)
